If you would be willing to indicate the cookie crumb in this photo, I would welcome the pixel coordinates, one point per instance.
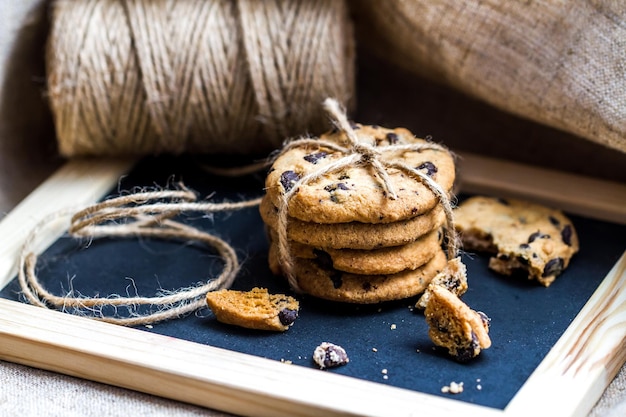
(453, 388)
(393, 327)
(329, 355)
(374, 350)
(287, 361)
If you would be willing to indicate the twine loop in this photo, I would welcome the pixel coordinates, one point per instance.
(142, 214)
(357, 151)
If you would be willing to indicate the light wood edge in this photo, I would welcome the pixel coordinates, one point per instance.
(586, 358)
(218, 379)
(585, 196)
(76, 183)
(200, 374)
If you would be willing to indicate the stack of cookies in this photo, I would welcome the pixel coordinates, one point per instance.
(349, 240)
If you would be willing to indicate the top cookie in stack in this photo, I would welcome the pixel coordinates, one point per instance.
(347, 238)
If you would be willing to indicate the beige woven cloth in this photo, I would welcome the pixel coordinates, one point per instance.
(556, 62)
(27, 156)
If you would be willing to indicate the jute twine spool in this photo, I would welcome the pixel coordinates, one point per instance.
(559, 63)
(220, 76)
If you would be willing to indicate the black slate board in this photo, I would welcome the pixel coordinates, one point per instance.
(527, 319)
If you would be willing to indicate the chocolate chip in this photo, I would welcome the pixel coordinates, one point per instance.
(566, 235)
(392, 138)
(287, 316)
(554, 221)
(430, 168)
(288, 179)
(524, 246)
(323, 258)
(344, 176)
(537, 235)
(485, 319)
(503, 257)
(338, 186)
(466, 353)
(314, 157)
(502, 201)
(553, 267)
(367, 286)
(337, 278)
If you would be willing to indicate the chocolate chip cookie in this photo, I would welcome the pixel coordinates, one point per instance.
(376, 261)
(355, 235)
(317, 277)
(356, 193)
(522, 235)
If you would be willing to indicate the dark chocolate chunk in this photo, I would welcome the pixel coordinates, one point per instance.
(392, 138)
(553, 267)
(485, 319)
(287, 316)
(537, 235)
(524, 246)
(430, 168)
(323, 258)
(503, 201)
(288, 179)
(566, 235)
(466, 353)
(554, 221)
(338, 186)
(314, 157)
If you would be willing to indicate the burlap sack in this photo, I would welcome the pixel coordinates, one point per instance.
(556, 62)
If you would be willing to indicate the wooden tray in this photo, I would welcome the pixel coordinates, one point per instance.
(567, 382)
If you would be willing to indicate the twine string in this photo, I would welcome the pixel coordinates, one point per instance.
(356, 152)
(144, 214)
(148, 77)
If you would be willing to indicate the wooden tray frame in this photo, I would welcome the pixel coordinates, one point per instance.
(568, 382)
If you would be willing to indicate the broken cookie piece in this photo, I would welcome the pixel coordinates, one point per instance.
(453, 277)
(454, 326)
(329, 355)
(522, 235)
(254, 309)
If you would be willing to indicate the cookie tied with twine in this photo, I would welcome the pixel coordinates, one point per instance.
(143, 214)
(353, 174)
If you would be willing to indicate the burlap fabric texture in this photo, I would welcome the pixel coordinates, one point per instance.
(559, 63)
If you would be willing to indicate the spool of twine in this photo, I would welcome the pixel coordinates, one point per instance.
(138, 77)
